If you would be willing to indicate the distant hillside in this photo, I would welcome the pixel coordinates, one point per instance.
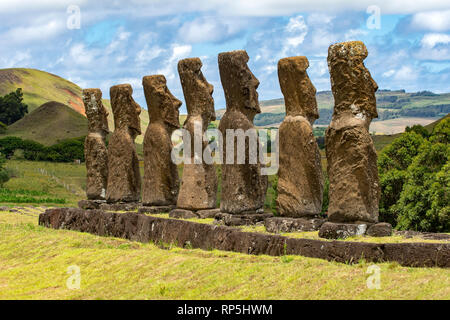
(40, 87)
(396, 104)
(380, 141)
(50, 123)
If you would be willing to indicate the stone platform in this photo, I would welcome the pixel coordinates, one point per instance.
(143, 228)
(331, 230)
(280, 224)
(155, 209)
(246, 219)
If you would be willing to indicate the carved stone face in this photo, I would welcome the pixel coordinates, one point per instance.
(353, 86)
(197, 91)
(95, 111)
(126, 110)
(162, 104)
(239, 83)
(298, 90)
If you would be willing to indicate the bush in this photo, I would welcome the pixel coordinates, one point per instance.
(64, 151)
(414, 177)
(424, 203)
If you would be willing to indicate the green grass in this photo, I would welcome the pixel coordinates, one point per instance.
(45, 182)
(35, 262)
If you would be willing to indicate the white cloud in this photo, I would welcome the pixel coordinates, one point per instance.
(430, 40)
(80, 55)
(438, 21)
(406, 74)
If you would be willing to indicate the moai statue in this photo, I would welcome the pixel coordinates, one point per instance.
(352, 160)
(124, 179)
(161, 182)
(243, 186)
(300, 177)
(95, 151)
(199, 184)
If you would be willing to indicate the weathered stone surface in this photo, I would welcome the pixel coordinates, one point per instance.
(424, 235)
(161, 182)
(139, 227)
(199, 183)
(380, 230)
(330, 230)
(182, 214)
(234, 220)
(207, 214)
(124, 179)
(243, 186)
(95, 151)
(352, 160)
(300, 177)
(90, 204)
(156, 209)
(124, 206)
(280, 224)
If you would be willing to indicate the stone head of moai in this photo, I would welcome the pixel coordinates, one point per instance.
(298, 91)
(239, 83)
(95, 111)
(126, 110)
(162, 104)
(351, 82)
(197, 91)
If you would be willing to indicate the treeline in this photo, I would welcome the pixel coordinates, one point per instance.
(415, 179)
(67, 150)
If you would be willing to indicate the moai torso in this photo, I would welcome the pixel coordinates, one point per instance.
(300, 177)
(199, 183)
(95, 151)
(352, 160)
(161, 182)
(243, 186)
(124, 180)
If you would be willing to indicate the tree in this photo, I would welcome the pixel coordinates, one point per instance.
(12, 108)
(417, 128)
(393, 164)
(424, 203)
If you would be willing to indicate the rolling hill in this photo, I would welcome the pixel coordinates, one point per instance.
(396, 109)
(40, 87)
(50, 123)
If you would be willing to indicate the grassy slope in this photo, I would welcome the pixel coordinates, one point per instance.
(35, 261)
(49, 123)
(40, 87)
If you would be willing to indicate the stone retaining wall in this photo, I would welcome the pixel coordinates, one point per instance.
(139, 227)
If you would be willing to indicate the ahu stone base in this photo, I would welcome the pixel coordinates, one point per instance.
(331, 230)
(120, 206)
(234, 220)
(155, 209)
(188, 214)
(90, 204)
(143, 228)
(280, 224)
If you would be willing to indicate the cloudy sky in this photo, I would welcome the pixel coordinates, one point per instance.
(122, 41)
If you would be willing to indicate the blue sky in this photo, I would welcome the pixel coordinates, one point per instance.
(120, 42)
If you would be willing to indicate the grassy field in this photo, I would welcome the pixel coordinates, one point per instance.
(35, 261)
